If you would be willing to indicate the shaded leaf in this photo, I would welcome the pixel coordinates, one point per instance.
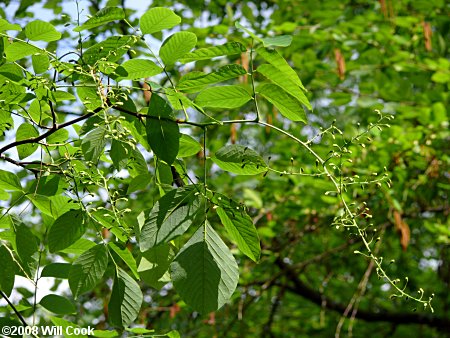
(93, 144)
(56, 270)
(66, 230)
(8, 271)
(57, 304)
(204, 272)
(126, 300)
(162, 133)
(88, 269)
(154, 265)
(239, 226)
(126, 256)
(239, 160)
(170, 217)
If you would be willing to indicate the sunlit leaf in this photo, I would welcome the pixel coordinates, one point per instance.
(176, 46)
(39, 30)
(102, 17)
(158, 18)
(135, 69)
(26, 132)
(276, 60)
(278, 78)
(229, 48)
(223, 97)
(222, 74)
(288, 106)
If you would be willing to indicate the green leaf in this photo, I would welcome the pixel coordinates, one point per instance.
(140, 182)
(24, 132)
(40, 63)
(39, 30)
(93, 144)
(79, 247)
(163, 133)
(288, 106)
(158, 18)
(119, 154)
(53, 206)
(176, 46)
(154, 265)
(6, 26)
(8, 269)
(12, 72)
(57, 304)
(126, 256)
(278, 78)
(18, 50)
(88, 94)
(88, 269)
(223, 97)
(170, 217)
(229, 48)
(222, 74)
(9, 181)
(56, 270)
(26, 245)
(239, 160)
(136, 69)
(106, 333)
(239, 226)
(111, 49)
(102, 17)
(66, 230)
(126, 300)
(59, 136)
(60, 96)
(188, 146)
(276, 60)
(204, 272)
(277, 41)
(68, 327)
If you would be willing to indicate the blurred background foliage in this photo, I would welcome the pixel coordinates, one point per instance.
(353, 57)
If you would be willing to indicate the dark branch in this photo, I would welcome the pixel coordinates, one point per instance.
(301, 289)
(14, 308)
(48, 133)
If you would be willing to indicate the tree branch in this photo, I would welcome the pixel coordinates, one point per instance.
(301, 289)
(48, 133)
